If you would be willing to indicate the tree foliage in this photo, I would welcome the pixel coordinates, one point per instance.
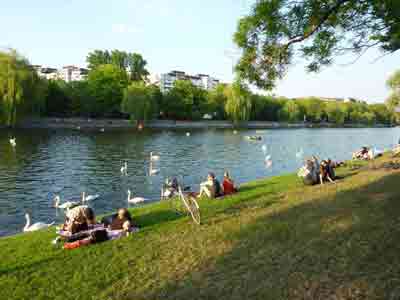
(22, 92)
(133, 63)
(106, 84)
(277, 31)
(238, 105)
(139, 101)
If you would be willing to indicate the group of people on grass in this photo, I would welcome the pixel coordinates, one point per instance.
(212, 188)
(81, 228)
(314, 172)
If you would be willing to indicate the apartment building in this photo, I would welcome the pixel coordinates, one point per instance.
(73, 73)
(67, 73)
(204, 81)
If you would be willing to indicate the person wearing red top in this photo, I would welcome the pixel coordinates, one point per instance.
(228, 185)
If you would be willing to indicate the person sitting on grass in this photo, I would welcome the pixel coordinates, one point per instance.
(228, 185)
(122, 221)
(324, 172)
(210, 188)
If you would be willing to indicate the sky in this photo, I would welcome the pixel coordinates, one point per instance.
(194, 36)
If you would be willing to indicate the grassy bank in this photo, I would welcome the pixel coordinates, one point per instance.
(274, 240)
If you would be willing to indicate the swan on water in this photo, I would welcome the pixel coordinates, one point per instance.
(65, 205)
(124, 169)
(300, 153)
(187, 133)
(264, 148)
(13, 142)
(90, 197)
(154, 157)
(36, 226)
(153, 171)
(135, 200)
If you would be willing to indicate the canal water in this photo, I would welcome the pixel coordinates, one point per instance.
(45, 163)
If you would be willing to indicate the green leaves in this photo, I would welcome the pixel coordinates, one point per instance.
(139, 101)
(276, 31)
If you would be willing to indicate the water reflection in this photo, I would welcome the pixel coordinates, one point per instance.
(46, 163)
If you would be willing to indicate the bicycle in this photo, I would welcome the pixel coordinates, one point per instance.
(172, 189)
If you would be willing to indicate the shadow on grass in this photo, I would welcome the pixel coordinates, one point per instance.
(335, 247)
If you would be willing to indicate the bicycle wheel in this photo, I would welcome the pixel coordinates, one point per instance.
(192, 206)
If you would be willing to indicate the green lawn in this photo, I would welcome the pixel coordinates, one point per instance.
(274, 240)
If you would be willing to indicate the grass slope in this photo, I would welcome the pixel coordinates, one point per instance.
(274, 240)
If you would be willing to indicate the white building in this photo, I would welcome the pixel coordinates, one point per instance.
(67, 73)
(73, 73)
(167, 80)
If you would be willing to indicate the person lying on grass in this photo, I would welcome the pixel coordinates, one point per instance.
(78, 219)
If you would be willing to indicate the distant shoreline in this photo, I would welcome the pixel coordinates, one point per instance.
(98, 124)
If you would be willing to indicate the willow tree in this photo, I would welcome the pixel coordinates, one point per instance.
(15, 76)
(238, 102)
(278, 32)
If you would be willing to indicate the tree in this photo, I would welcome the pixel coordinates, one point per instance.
(22, 92)
(216, 101)
(238, 105)
(119, 59)
(313, 108)
(393, 102)
(106, 84)
(335, 112)
(97, 58)
(139, 101)
(290, 111)
(277, 31)
(137, 67)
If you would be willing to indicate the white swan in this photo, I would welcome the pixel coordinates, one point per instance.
(36, 226)
(264, 148)
(153, 171)
(154, 157)
(135, 200)
(65, 205)
(268, 161)
(300, 153)
(187, 133)
(13, 142)
(90, 197)
(124, 169)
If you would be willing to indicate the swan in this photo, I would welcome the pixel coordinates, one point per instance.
(154, 157)
(187, 133)
(264, 148)
(36, 226)
(124, 169)
(90, 197)
(268, 161)
(135, 200)
(300, 153)
(153, 171)
(13, 142)
(65, 205)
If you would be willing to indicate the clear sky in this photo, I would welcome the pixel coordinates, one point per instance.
(189, 35)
